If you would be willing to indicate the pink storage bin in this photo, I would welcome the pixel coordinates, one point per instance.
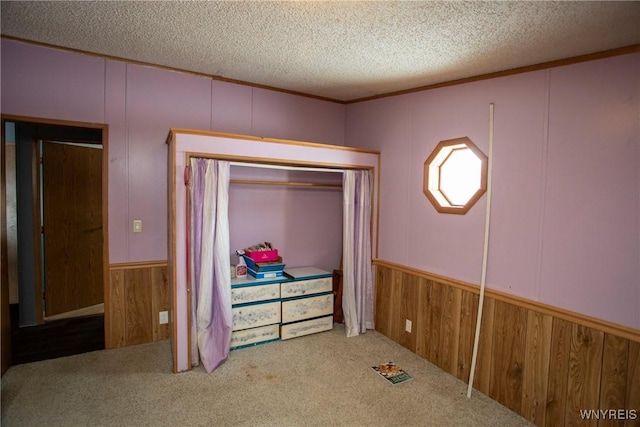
(263, 256)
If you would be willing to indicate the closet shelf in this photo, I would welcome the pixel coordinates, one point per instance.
(285, 183)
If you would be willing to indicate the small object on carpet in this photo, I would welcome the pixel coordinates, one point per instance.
(392, 373)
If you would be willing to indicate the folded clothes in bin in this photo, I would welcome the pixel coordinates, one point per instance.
(262, 252)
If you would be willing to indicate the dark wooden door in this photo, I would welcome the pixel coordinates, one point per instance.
(72, 219)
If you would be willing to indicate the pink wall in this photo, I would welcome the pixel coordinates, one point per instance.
(140, 104)
(51, 83)
(591, 233)
(156, 100)
(566, 156)
(565, 224)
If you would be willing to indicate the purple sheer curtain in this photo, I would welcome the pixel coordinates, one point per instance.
(211, 318)
(357, 296)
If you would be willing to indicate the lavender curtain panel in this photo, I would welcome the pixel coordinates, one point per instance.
(211, 318)
(357, 276)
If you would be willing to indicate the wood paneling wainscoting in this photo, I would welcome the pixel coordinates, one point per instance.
(138, 293)
(542, 362)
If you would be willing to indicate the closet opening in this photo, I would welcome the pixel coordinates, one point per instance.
(299, 210)
(289, 193)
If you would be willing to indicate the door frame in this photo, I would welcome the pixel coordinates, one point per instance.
(5, 353)
(105, 198)
(37, 220)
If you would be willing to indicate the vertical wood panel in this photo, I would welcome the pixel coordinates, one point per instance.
(632, 400)
(536, 367)
(397, 278)
(508, 355)
(613, 383)
(138, 294)
(482, 377)
(160, 302)
(138, 298)
(585, 364)
(434, 299)
(409, 310)
(450, 329)
(468, 315)
(558, 372)
(423, 340)
(383, 300)
(117, 317)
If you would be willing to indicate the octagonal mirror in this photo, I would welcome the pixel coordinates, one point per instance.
(455, 175)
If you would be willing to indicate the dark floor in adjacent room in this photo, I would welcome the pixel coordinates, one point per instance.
(58, 338)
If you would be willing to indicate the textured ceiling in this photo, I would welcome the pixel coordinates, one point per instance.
(342, 50)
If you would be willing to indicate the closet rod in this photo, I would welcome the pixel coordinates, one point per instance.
(285, 183)
(283, 167)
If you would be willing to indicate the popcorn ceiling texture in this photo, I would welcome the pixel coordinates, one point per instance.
(342, 50)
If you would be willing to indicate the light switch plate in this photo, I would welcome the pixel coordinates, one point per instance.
(164, 317)
(137, 226)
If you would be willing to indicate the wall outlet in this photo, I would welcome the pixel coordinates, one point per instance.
(407, 325)
(164, 317)
(137, 226)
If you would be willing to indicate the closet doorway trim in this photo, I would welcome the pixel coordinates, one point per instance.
(184, 143)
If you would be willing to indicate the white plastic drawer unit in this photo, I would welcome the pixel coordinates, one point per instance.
(301, 288)
(252, 316)
(307, 327)
(247, 294)
(252, 336)
(307, 308)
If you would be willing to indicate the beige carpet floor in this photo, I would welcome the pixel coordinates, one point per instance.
(319, 380)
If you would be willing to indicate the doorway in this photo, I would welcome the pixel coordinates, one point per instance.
(60, 243)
